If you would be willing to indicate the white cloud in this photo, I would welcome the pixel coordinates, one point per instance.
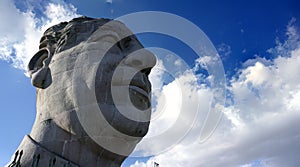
(181, 93)
(262, 60)
(109, 1)
(261, 127)
(19, 37)
(203, 61)
(58, 13)
(178, 63)
(292, 42)
(257, 74)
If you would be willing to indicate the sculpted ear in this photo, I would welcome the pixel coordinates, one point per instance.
(38, 69)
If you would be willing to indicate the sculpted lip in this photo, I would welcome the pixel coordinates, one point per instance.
(141, 93)
(139, 98)
(138, 89)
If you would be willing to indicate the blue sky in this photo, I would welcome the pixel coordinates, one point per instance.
(259, 45)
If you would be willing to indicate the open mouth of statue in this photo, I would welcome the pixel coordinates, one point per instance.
(139, 96)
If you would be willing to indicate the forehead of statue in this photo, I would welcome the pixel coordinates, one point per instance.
(95, 43)
(58, 39)
(112, 32)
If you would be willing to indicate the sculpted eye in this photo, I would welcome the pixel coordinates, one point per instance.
(127, 42)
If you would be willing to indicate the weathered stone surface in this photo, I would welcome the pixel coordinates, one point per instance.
(85, 65)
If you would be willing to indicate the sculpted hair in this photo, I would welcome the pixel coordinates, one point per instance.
(65, 35)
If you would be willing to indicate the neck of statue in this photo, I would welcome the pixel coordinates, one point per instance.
(78, 149)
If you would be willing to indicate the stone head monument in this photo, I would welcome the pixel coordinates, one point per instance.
(93, 96)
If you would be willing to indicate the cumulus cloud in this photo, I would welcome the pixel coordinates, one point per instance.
(19, 37)
(169, 125)
(260, 126)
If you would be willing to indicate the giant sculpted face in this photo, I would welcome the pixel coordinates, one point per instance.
(93, 92)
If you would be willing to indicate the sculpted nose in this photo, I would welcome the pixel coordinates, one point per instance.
(141, 59)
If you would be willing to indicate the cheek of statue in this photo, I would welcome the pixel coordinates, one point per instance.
(138, 89)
